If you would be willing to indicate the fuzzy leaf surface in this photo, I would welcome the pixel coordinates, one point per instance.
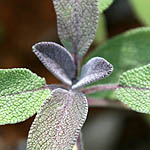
(58, 122)
(21, 95)
(141, 9)
(95, 69)
(125, 51)
(56, 59)
(77, 23)
(104, 4)
(134, 89)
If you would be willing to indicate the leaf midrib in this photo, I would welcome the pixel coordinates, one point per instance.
(27, 91)
(132, 87)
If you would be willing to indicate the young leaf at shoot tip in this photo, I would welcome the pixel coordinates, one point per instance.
(57, 60)
(95, 69)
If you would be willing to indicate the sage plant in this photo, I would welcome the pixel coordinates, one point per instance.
(61, 117)
(62, 109)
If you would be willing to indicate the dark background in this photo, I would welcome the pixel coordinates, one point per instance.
(24, 23)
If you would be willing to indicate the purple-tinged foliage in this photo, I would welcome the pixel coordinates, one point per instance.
(77, 23)
(60, 62)
(58, 122)
(57, 60)
(60, 118)
(95, 69)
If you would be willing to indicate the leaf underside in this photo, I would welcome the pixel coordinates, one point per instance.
(56, 59)
(126, 51)
(21, 95)
(134, 89)
(77, 23)
(95, 69)
(58, 122)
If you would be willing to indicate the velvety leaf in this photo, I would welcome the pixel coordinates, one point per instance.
(58, 122)
(21, 95)
(141, 9)
(104, 4)
(126, 51)
(134, 89)
(77, 22)
(56, 59)
(95, 69)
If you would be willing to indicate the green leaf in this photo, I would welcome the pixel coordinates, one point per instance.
(141, 9)
(126, 51)
(134, 89)
(77, 23)
(104, 4)
(21, 94)
(58, 122)
(101, 33)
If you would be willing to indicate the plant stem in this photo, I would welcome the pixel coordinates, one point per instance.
(76, 59)
(97, 88)
(76, 63)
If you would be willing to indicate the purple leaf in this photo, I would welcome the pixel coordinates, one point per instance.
(58, 122)
(95, 69)
(77, 23)
(56, 59)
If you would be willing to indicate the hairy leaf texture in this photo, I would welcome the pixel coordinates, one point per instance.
(95, 69)
(77, 23)
(21, 95)
(56, 59)
(58, 122)
(134, 89)
(126, 51)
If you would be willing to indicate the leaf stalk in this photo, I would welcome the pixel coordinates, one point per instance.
(97, 88)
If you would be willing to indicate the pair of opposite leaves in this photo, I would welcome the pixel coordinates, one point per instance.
(59, 120)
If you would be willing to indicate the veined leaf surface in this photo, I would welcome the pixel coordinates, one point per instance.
(134, 89)
(58, 122)
(56, 59)
(95, 69)
(77, 23)
(21, 95)
(125, 51)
